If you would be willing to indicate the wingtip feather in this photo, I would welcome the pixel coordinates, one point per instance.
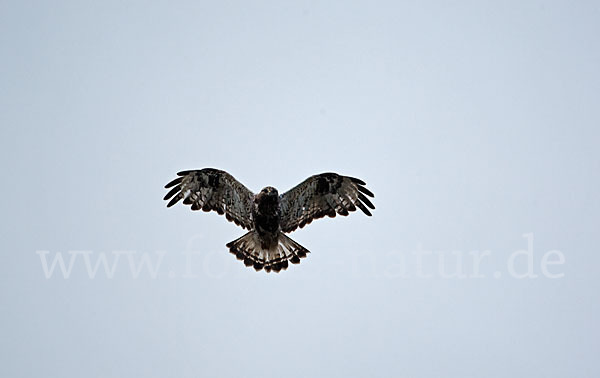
(174, 200)
(365, 191)
(363, 208)
(172, 192)
(183, 173)
(174, 182)
(357, 180)
(366, 201)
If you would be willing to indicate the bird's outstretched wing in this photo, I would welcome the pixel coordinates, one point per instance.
(212, 189)
(320, 195)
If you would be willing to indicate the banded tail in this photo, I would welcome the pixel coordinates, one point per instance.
(248, 248)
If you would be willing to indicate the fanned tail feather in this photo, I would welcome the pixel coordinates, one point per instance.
(248, 249)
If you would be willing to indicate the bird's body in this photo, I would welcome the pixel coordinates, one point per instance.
(267, 215)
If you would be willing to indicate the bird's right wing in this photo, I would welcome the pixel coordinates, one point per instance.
(320, 195)
(212, 189)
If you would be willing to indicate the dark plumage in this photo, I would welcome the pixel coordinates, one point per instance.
(268, 215)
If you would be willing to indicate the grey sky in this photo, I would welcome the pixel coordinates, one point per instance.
(473, 123)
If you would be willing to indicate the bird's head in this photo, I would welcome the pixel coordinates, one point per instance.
(270, 191)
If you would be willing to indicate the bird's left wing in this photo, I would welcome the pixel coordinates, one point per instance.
(320, 195)
(212, 189)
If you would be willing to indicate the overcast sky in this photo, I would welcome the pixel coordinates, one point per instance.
(475, 125)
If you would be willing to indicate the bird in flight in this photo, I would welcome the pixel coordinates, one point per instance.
(268, 216)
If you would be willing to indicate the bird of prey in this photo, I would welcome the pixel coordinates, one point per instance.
(268, 216)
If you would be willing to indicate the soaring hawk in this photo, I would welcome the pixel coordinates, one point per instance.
(267, 215)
